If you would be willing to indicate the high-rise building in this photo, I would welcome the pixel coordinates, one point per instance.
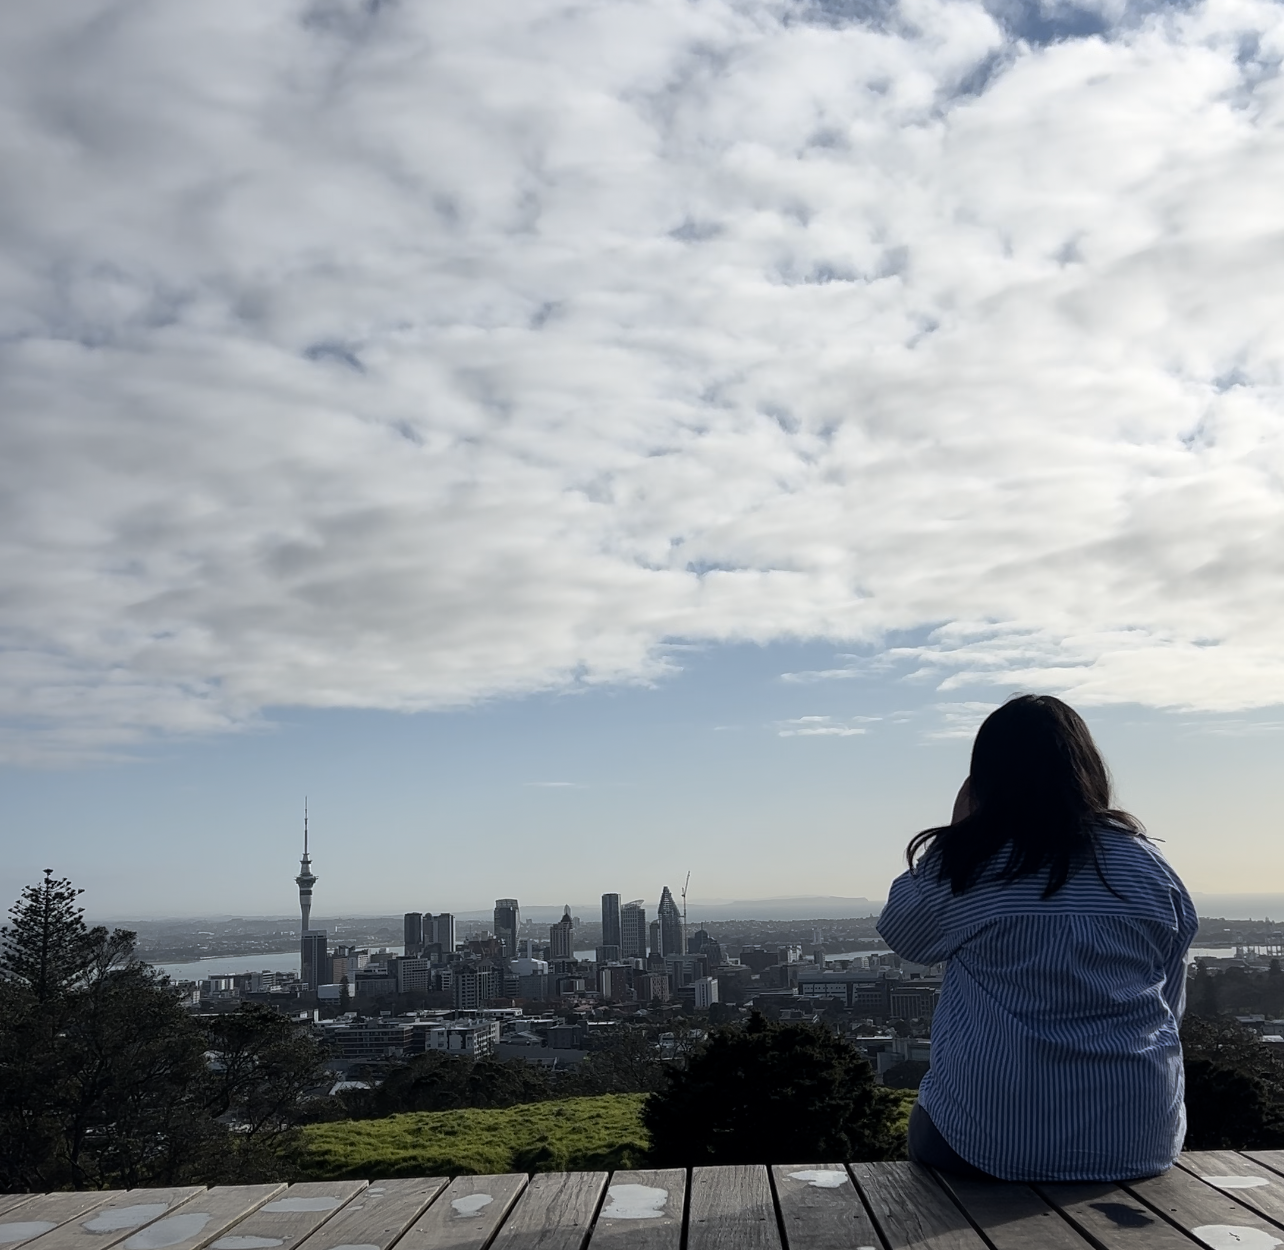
(657, 940)
(611, 921)
(706, 993)
(315, 962)
(412, 930)
(633, 930)
(443, 932)
(561, 938)
(507, 919)
(670, 925)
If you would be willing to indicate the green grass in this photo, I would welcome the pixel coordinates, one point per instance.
(569, 1135)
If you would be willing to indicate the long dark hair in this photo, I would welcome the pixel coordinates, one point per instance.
(1039, 789)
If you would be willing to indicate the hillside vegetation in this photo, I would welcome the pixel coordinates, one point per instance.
(569, 1135)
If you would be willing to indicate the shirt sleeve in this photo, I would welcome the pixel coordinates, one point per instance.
(911, 925)
(1187, 928)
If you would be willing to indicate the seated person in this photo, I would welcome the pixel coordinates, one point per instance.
(1055, 1051)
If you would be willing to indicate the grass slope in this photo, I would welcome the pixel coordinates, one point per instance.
(569, 1135)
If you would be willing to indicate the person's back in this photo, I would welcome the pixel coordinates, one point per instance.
(1055, 1053)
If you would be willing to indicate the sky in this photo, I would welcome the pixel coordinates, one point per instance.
(582, 442)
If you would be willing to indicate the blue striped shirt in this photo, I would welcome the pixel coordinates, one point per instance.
(1055, 1053)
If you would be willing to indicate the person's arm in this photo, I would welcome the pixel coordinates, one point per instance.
(1187, 928)
(910, 924)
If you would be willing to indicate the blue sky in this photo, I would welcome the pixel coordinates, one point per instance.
(389, 388)
(557, 798)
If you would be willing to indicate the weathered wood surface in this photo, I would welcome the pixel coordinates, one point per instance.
(1242, 1178)
(1014, 1217)
(732, 1209)
(204, 1219)
(1220, 1200)
(556, 1212)
(378, 1215)
(820, 1208)
(1113, 1218)
(1210, 1215)
(116, 1219)
(642, 1211)
(911, 1209)
(467, 1215)
(1273, 1159)
(42, 1213)
(284, 1221)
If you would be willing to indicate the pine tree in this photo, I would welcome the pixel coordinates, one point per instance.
(46, 947)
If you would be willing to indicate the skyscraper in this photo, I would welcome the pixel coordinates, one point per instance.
(670, 925)
(611, 921)
(657, 940)
(633, 930)
(507, 918)
(561, 938)
(412, 932)
(443, 932)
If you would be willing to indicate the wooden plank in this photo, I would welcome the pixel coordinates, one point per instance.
(115, 1220)
(1012, 1217)
(820, 1208)
(9, 1201)
(42, 1213)
(1210, 1215)
(911, 1209)
(377, 1216)
(642, 1211)
(1113, 1218)
(1273, 1159)
(1245, 1180)
(732, 1209)
(466, 1215)
(203, 1219)
(286, 1220)
(556, 1212)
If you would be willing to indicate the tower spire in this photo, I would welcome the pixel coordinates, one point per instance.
(305, 880)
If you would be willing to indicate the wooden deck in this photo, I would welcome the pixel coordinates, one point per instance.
(1221, 1200)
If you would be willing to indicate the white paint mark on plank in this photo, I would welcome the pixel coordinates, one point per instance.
(21, 1230)
(121, 1218)
(247, 1242)
(361, 1245)
(1236, 1182)
(471, 1204)
(635, 1202)
(169, 1231)
(1235, 1237)
(821, 1180)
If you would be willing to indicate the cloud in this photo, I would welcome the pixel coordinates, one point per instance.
(402, 356)
(824, 727)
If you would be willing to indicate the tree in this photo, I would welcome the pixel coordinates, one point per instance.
(771, 1093)
(46, 946)
(345, 995)
(1234, 1087)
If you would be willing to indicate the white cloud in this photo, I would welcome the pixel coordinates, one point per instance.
(824, 727)
(393, 355)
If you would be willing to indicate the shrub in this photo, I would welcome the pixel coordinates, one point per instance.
(772, 1093)
(1234, 1087)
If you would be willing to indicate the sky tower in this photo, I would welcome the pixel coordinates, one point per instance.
(305, 880)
